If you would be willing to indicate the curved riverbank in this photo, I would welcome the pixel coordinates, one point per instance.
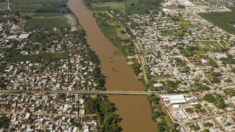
(134, 110)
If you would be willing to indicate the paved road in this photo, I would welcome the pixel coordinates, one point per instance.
(84, 92)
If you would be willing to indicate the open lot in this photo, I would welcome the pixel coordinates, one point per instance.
(224, 20)
(111, 5)
(208, 45)
(184, 23)
(47, 23)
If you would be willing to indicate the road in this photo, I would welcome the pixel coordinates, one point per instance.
(142, 60)
(83, 92)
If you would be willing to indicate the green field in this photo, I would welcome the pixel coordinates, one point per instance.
(3, 5)
(110, 5)
(224, 20)
(208, 45)
(172, 33)
(184, 23)
(142, 6)
(204, 46)
(38, 57)
(26, 2)
(47, 23)
(47, 15)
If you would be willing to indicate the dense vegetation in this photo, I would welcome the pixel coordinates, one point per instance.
(165, 124)
(224, 20)
(141, 6)
(104, 110)
(218, 100)
(131, 6)
(108, 26)
(4, 122)
(43, 6)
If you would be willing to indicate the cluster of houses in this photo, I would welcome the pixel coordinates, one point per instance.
(41, 111)
(68, 73)
(193, 113)
(163, 39)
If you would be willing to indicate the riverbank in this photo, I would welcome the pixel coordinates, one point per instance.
(134, 110)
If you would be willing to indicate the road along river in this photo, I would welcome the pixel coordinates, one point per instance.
(134, 110)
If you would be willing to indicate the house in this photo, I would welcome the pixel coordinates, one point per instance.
(219, 56)
(204, 61)
(157, 85)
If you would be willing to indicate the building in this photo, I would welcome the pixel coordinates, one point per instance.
(204, 61)
(219, 56)
(23, 36)
(12, 37)
(173, 99)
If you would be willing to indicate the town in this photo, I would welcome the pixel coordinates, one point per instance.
(183, 57)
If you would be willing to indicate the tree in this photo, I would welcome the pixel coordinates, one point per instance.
(206, 130)
(198, 106)
(4, 122)
(219, 102)
(209, 98)
(90, 106)
(207, 124)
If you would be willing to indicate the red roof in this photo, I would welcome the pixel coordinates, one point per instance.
(233, 114)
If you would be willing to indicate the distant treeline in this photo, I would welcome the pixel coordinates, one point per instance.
(88, 2)
(49, 7)
(132, 6)
(224, 20)
(142, 6)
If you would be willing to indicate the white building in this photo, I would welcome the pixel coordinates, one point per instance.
(23, 36)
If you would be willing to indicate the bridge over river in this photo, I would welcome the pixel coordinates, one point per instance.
(83, 92)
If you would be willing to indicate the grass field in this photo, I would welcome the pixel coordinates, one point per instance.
(186, 24)
(224, 20)
(47, 15)
(3, 5)
(47, 23)
(24, 2)
(111, 5)
(209, 45)
(205, 46)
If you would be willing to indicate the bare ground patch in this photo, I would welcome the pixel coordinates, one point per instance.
(122, 36)
(72, 21)
(111, 35)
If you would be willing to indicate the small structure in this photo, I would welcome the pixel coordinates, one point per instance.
(157, 85)
(176, 106)
(204, 61)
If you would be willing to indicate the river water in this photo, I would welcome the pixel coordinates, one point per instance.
(134, 110)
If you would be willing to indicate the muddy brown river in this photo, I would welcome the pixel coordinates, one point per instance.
(134, 110)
